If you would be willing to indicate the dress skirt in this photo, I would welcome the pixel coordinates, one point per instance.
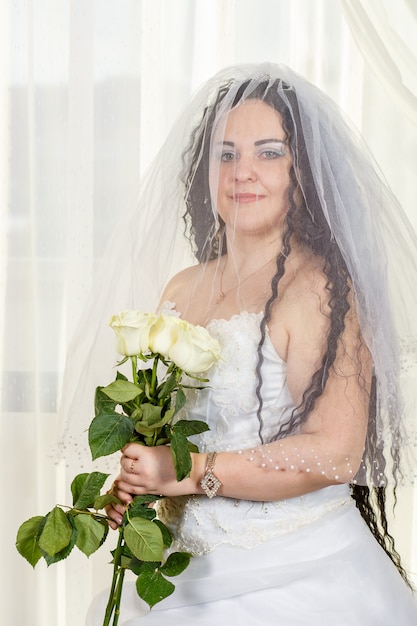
(330, 572)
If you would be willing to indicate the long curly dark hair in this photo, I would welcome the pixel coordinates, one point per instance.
(306, 224)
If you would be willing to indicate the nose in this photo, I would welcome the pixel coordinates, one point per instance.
(244, 169)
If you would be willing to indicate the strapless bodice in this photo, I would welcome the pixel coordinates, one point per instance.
(230, 406)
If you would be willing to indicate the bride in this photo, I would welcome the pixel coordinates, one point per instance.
(284, 508)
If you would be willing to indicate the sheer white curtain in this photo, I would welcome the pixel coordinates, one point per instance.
(386, 36)
(88, 91)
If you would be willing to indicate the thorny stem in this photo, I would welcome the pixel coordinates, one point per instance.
(116, 584)
(118, 596)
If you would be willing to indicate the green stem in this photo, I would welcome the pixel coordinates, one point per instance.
(154, 379)
(134, 360)
(118, 572)
(118, 597)
(94, 513)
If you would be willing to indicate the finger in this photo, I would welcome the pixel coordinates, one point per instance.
(127, 489)
(120, 508)
(123, 494)
(115, 518)
(132, 450)
(128, 464)
(136, 489)
(113, 525)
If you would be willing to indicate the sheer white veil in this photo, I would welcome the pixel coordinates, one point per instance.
(338, 180)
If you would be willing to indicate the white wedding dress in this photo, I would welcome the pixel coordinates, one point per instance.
(310, 560)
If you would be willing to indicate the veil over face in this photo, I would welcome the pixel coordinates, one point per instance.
(249, 171)
(314, 184)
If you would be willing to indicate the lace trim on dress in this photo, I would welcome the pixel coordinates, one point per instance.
(199, 527)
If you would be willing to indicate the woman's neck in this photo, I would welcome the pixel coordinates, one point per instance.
(244, 256)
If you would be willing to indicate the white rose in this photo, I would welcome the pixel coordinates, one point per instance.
(132, 331)
(164, 334)
(195, 350)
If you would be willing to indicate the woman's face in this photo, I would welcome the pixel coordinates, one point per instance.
(250, 167)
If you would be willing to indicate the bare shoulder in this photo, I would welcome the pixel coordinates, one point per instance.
(305, 312)
(180, 281)
(302, 312)
(188, 290)
(309, 280)
(311, 298)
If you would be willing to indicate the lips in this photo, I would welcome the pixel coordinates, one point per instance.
(246, 198)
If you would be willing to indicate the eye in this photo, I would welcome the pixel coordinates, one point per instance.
(227, 156)
(272, 153)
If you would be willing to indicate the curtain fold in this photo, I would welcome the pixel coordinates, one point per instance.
(381, 39)
(89, 91)
(81, 157)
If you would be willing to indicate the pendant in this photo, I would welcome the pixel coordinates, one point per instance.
(220, 298)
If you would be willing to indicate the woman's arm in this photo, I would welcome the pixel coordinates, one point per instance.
(327, 450)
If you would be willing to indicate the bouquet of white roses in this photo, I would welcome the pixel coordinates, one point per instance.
(144, 410)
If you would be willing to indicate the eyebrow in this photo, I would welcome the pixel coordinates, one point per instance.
(272, 140)
(260, 142)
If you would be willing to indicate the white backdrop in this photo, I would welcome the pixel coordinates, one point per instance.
(89, 89)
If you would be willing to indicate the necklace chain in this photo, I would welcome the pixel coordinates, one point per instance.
(223, 293)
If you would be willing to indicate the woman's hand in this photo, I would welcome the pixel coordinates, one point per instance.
(148, 470)
(115, 512)
(151, 471)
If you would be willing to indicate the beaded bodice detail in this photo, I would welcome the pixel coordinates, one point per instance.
(229, 405)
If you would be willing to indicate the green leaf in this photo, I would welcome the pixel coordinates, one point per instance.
(122, 391)
(144, 539)
(190, 427)
(152, 587)
(147, 387)
(145, 499)
(104, 523)
(108, 433)
(138, 509)
(27, 540)
(150, 430)
(180, 455)
(102, 403)
(169, 414)
(166, 533)
(137, 567)
(176, 563)
(168, 386)
(146, 431)
(90, 533)
(77, 485)
(122, 361)
(102, 501)
(162, 441)
(126, 556)
(150, 414)
(85, 488)
(65, 552)
(145, 512)
(56, 534)
(180, 399)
